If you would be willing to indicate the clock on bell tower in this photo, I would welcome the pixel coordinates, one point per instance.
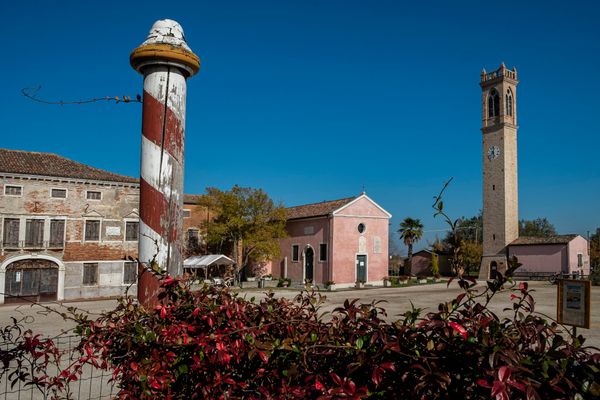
(499, 158)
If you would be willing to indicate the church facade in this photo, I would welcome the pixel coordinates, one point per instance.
(343, 241)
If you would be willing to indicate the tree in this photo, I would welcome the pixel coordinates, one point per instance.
(247, 220)
(471, 253)
(469, 235)
(411, 231)
(539, 227)
(435, 265)
(595, 249)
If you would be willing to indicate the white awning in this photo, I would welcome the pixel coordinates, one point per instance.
(207, 261)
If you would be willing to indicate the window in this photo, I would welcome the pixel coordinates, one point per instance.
(192, 237)
(579, 260)
(509, 102)
(493, 104)
(323, 252)
(377, 245)
(295, 253)
(11, 232)
(34, 233)
(187, 213)
(90, 273)
(12, 190)
(93, 195)
(57, 232)
(92, 229)
(131, 231)
(361, 228)
(59, 193)
(129, 272)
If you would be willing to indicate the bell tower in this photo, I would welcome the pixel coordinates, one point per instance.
(499, 158)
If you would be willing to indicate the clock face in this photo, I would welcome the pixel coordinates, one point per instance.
(493, 152)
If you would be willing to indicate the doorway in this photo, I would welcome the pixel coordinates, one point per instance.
(361, 268)
(34, 280)
(493, 270)
(309, 258)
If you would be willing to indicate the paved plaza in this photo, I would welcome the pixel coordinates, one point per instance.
(397, 301)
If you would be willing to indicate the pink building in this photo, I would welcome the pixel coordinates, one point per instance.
(566, 254)
(344, 241)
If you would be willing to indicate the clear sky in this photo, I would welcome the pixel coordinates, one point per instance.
(314, 100)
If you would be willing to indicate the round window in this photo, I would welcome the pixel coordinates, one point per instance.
(361, 227)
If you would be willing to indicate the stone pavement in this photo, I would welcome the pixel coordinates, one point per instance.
(396, 301)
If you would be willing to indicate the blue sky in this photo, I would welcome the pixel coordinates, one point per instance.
(314, 100)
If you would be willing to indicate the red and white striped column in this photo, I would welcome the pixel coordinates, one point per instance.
(166, 62)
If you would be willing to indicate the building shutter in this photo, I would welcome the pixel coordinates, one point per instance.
(34, 232)
(11, 232)
(57, 232)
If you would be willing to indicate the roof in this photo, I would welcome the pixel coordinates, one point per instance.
(532, 240)
(316, 209)
(191, 198)
(47, 164)
(206, 261)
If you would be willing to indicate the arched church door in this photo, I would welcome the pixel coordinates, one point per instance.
(309, 256)
(33, 279)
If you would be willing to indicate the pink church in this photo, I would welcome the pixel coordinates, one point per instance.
(343, 241)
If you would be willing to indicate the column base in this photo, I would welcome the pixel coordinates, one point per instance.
(491, 263)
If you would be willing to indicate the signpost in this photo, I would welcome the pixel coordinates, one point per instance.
(573, 303)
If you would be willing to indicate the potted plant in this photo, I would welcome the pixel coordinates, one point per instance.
(284, 282)
(330, 285)
(386, 281)
(403, 279)
(422, 278)
(360, 284)
(250, 278)
(268, 277)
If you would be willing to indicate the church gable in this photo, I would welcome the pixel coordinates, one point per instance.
(362, 206)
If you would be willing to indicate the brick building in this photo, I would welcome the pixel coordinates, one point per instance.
(195, 218)
(66, 228)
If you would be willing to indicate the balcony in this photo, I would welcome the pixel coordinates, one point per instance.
(23, 245)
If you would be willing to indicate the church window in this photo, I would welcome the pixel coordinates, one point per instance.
(509, 103)
(493, 104)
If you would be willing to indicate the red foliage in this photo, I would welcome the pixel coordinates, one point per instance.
(213, 344)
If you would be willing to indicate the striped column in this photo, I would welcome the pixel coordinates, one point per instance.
(166, 62)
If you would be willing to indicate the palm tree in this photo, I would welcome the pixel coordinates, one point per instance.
(411, 231)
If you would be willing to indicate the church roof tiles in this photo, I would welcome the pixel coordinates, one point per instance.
(316, 209)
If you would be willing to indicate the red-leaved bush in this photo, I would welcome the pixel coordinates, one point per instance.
(214, 344)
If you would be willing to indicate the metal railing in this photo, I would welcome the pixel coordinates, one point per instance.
(92, 384)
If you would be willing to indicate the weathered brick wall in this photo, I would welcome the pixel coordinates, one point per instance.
(98, 252)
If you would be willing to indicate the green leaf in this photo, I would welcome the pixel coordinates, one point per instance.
(359, 343)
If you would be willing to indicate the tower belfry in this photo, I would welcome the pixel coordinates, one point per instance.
(499, 158)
